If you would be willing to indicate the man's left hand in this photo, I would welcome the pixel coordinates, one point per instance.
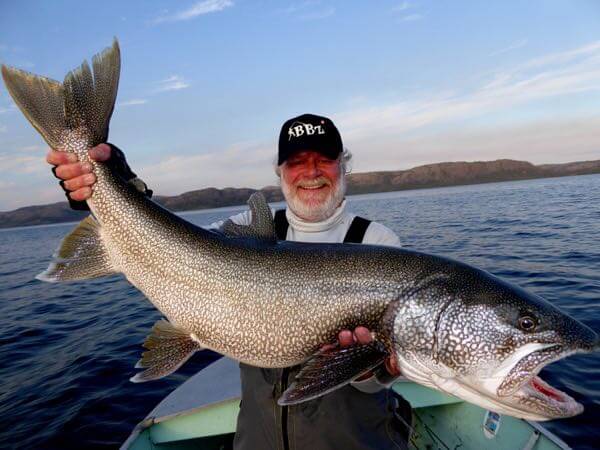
(362, 335)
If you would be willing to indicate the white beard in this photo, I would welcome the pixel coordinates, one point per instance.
(315, 212)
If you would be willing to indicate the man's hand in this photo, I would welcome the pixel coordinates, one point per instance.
(362, 335)
(77, 176)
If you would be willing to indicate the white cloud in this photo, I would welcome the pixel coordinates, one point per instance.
(31, 149)
(591, 49)
(550, 141)
(251, 164)
(22, 164)
(402, 10)
(513, 46)
(411, 17)
(8, 109)
(401, 7)
(34, 193)
(7, 184)
(319, 14)
(198, 9)
(173, 83)
(398, 134)
(302, 6)
(132, 102)
(241, 165)
(564, 73)
(309, 10)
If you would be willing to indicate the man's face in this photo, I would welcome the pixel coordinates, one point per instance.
(313, 185)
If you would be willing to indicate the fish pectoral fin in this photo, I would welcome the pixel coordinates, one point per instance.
(262, 225)
(168, 348)
(328, 370)
(81, 255)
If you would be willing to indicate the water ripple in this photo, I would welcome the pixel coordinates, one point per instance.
(68, 350)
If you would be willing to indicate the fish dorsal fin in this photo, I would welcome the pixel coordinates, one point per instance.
(330, 369)
(262, 225)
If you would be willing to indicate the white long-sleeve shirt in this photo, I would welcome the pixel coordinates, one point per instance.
(331, 230)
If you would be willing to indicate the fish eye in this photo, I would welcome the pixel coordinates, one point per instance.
(527, 323)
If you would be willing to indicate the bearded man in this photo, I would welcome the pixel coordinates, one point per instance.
(312, 166)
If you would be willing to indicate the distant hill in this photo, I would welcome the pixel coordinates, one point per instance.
(427, 176)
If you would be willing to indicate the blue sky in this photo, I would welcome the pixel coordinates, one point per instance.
(206, 85)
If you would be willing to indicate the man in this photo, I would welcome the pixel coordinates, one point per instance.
(312, 166)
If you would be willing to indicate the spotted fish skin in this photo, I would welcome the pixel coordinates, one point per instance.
(273, 304)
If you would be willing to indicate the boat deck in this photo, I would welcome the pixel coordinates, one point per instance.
(202, 414)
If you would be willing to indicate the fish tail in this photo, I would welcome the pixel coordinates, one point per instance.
(40, 99)
(90, 93)
(85, 99)
(168, 348)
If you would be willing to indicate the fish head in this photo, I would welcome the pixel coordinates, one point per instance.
(491, 341)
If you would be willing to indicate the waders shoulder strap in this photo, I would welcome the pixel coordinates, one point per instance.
(281, 224)
(357, 230)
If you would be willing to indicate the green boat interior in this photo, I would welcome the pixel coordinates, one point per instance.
(202, 414)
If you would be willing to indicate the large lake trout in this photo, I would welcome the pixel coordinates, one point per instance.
(274, 304)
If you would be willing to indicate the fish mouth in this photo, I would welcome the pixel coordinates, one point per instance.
(559, 404)
(524, 386)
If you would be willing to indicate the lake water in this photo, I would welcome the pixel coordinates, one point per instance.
(68, 350)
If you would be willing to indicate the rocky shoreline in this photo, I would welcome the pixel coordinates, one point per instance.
(421, 177)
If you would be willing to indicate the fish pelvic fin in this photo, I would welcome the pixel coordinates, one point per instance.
(328, 370)
(262, 225)
(168, 348)
(81, 255)
(41, 100)
(90, 93)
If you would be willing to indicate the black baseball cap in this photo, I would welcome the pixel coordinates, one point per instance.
(309, 132)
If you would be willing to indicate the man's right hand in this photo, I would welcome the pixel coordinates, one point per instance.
(78, 176)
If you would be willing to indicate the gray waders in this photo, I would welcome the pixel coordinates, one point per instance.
(345, 419)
